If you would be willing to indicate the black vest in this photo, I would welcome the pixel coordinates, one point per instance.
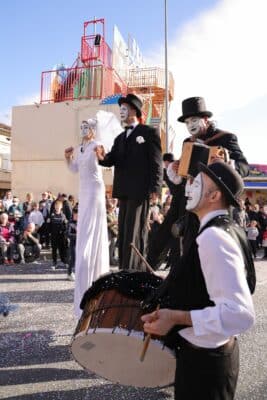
(185, 287)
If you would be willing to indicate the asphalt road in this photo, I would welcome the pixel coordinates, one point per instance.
(35, 359)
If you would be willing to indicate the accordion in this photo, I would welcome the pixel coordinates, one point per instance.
(193, 153)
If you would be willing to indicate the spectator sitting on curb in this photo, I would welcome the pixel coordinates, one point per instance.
(29, 246)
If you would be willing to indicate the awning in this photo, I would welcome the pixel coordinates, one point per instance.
(255, 185)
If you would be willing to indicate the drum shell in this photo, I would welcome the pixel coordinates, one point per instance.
(109, 339)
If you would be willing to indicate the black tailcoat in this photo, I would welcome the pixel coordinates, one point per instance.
(137, 173)
(138, 163)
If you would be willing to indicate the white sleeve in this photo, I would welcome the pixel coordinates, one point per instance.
(173, 177)
(41, 219)
(223, 269)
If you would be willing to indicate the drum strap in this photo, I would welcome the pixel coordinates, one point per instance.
(210, 139)
(217, 136)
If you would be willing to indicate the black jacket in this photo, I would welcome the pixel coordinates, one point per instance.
(138, 166)
(228, 141)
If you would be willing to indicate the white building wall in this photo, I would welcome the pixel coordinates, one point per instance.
(40, 133)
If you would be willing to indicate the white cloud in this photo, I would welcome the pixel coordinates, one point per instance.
(221, 55)
(29, 99)
(6, 115)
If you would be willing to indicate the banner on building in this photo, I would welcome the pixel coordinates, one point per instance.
(258, 170)
(120, 54)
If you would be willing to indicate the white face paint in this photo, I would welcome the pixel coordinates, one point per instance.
(195, 125)
(193, 192)
(84, 129)
(124, 113)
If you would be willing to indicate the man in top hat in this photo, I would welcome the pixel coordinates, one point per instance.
(136, 155)
(202, 129)
(197, 119)
(210, 294)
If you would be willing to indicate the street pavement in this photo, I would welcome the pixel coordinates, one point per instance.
(35, 358)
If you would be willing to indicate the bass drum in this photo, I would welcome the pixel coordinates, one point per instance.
(109, 337)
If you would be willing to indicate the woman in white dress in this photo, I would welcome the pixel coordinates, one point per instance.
(92, 254)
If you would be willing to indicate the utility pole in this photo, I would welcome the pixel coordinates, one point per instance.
(166, 78)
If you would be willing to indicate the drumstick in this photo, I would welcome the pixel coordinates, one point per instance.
(150, 269)
(146, 343)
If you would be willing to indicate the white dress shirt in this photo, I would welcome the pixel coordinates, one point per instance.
(36, 217)
(129, 131)
(224, 273)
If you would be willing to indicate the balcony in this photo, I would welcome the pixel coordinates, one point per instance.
(150, 80)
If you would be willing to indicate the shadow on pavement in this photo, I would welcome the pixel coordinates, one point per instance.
(35, 375)
(30, 348)
(103, 392)
(42, 296)
(26, 280)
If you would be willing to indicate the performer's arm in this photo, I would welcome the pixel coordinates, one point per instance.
(71, 162)
(222, 265)
(172, 173)
(106, 159)
(241, 164)
(160, 322)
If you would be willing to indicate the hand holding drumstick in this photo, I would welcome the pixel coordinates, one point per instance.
(161, 321)
(148, 336)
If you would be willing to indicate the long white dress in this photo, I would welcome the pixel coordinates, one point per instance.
(92, 254)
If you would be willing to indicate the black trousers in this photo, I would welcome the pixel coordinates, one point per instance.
(209, 374)
(58, 243)
(162, 239)
(71, 255)
(133, 228)
(253, 245)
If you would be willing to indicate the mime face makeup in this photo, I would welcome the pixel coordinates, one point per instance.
(84, 129)
(124, 112)
(195, 125)
(193, 192)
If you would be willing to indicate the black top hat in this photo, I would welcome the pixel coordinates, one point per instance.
(194, 106)
(134, 101)
(226, 178)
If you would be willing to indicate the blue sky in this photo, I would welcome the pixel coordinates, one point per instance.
(216, 50)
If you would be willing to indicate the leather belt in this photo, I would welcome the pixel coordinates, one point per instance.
(227, 346)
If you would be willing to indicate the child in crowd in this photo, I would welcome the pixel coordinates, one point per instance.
(29, 246)
(58, 229)
(36, 216)
(72, 234)
(44, 229)
(253, 233)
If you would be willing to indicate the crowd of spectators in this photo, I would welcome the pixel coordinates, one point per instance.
(253, 219)
(28, 226)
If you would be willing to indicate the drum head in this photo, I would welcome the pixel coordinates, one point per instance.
(116, 357)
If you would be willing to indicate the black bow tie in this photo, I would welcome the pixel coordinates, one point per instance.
(129, 127)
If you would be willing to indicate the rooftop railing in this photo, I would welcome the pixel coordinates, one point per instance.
(94, 82)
